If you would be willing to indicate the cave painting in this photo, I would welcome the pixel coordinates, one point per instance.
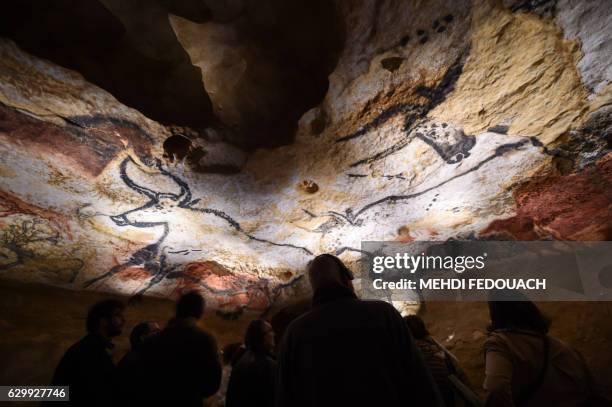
(387, 162)
(169, 236)
(165, 258)
(451, 145)
(33, 246)
(413, 113)
(464, 155)
(36, 244)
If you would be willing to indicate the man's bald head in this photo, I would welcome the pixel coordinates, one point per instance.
(327, 271)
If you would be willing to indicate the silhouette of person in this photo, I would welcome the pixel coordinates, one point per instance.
(125, 376)
(527, 367)
(180, 365)
(87, 366)
(349, 352)
(142, 332)
(253, 377)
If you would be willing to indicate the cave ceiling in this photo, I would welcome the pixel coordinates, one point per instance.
(153, 147)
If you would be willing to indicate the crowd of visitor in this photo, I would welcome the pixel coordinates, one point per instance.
(342, 352)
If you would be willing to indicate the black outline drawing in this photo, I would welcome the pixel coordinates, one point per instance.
(413, 115)
(17, 236)
(352, 216)
(152, 257)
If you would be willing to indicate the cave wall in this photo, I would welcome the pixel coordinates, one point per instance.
(460, 119)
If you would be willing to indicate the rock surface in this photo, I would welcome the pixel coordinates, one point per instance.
(589, 22)
(264, 64)
(127, 48)
(445, 120)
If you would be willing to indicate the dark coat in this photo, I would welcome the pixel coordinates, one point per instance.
(348, 352)
(88, 369)
(252, 381)
(130, 379)
(177, 367)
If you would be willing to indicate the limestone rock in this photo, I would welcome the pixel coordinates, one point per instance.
(48, 92)
(263, 65)
(534, 89)
(126, 47)
(589, 22)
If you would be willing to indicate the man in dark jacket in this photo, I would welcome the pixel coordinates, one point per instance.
(348, 352)
(179, 366)
(87, 366)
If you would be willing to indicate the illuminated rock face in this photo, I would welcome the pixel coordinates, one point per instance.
(452, 121)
